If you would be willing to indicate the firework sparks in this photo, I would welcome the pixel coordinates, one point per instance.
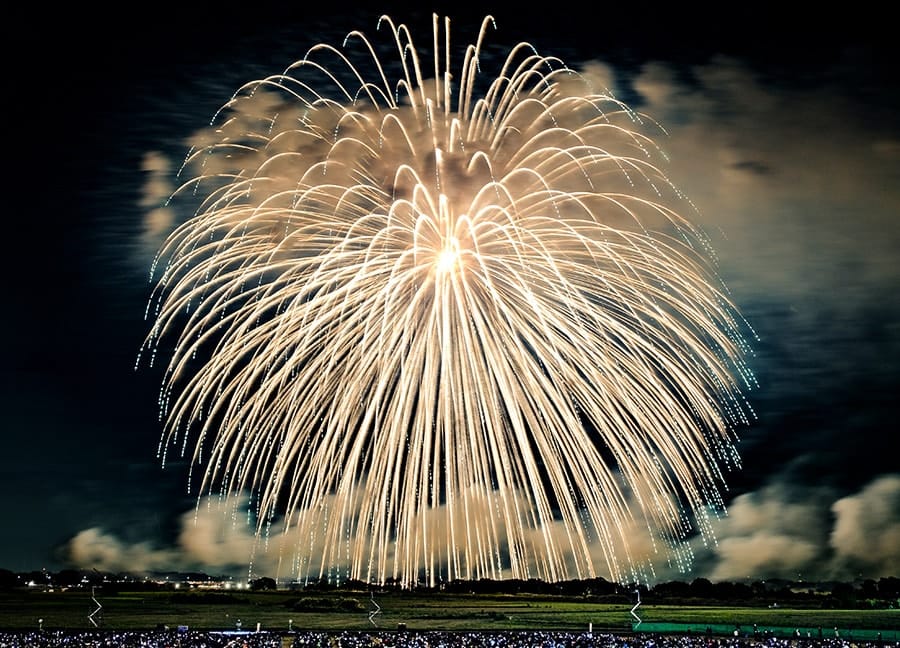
(446, 329)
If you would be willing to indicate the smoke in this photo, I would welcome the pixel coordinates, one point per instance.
(866, 533)
(790, 531)
(769, 533)
(793, 180)
(214, 537)
(95, 549)
(157, 189)
(220, 537)
(776, 532)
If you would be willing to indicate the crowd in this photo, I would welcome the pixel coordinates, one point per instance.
(409, 639)
(136, 639)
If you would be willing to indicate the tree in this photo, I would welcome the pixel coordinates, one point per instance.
(263, 583)
(8, 579)
(726, 591)
(68, 577)
(672, 590)
(889, 587)
(701, 588)
(844, 594)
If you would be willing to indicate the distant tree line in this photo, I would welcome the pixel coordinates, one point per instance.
(863, 593)
(869, 593)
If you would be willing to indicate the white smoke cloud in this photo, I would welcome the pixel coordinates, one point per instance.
(770, 532)
(795, 184)
(601, 77)
(95, 549)
(866, 533)
(788, 531)
(220, 536)
(158, 218)
(776, 532)
(216, 537)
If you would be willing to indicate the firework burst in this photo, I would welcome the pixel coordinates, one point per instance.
(446, 328)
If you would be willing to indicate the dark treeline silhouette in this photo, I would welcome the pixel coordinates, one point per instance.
(863, 593)
(868, 593)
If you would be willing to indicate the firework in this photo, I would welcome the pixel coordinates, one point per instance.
(446, 326)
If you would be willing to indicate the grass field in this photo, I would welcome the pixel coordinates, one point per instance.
(282, 610)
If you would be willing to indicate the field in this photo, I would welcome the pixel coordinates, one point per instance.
(283, 610)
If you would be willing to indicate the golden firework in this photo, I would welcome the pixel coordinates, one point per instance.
(447, 328)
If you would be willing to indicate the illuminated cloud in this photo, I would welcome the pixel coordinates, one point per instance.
(866, 533)
(158, 217)
(777, 532)
(95, 549)
(793, 182)
(792, 532)
(214, 537)
(219, 537)
(769, 534)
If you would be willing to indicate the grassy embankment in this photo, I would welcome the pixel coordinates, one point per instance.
(350, 611)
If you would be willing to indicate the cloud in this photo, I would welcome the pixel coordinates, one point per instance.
(866, 533)
(770, 533)
(217, 535)
(779, 531)
(159, 218)
(796, 183)
(600, 76)
(792, 531)
(212, 537)
(220, 537)
(95, 549)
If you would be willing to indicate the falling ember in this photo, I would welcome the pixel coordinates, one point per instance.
(447, 330)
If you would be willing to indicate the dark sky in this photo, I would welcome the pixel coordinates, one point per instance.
(783, 129)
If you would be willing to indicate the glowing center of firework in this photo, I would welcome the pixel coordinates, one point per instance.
(447, 260)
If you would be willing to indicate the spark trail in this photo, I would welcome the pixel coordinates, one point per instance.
(446, 329)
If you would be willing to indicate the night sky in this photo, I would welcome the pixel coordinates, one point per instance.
(783, 130)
